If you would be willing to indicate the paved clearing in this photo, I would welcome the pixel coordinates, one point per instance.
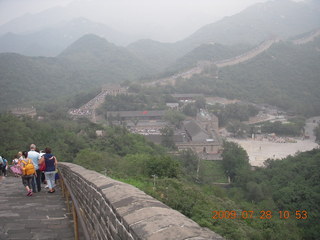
(259, 151)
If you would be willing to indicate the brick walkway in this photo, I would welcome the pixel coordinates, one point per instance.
(41, 216)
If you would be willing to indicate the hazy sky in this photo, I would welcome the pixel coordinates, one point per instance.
(163, 20)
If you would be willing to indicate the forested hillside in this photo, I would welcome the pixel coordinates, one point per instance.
(87, 64)
(286, 75)
(238, 212)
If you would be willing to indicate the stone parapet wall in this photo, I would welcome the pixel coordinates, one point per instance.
(115, 210)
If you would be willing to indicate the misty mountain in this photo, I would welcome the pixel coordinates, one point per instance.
(158, 55)
(51, 31)
(87, 64)
(52, 40)
(95, 55)
(35, 22)
(281, 18)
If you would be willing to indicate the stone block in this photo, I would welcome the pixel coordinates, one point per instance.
(117, 192)
(168, 219)
(138, 205)
(183, 233)
(113, 220)
(114, 233)
(124, 233)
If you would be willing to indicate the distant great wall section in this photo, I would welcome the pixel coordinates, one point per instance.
(247, 55)
(311, 37)
(114, 210)
(219, 64)
(264, 46)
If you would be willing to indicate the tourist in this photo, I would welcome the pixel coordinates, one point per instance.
(42, 178)
(1, 165)
(35, 156)
(19, 156)
(16, 165)
(50, 171)
(4, 166)
(28, 172)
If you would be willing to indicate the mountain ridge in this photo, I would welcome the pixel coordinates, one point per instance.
(68, 74)
(53, 39)
(260, 22)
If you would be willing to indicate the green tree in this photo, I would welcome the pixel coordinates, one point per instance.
(237, 128)
(174, 117)
(162, 166)
(254, 192)
(134, 164)
(91, 159)
(235, 161)
(190, 110)
(167, 140)
(200, 102)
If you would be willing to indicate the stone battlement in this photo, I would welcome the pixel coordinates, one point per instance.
(115, 210)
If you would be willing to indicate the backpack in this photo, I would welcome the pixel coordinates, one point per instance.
(28, 167)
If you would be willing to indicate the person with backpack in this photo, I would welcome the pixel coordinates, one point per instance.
(4, 166)
(50, 170)
(28, 172)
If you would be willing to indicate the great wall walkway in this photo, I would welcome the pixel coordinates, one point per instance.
(41, 216)
(105, 208)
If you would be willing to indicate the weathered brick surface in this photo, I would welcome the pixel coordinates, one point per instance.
(118, 211)
(42, 216)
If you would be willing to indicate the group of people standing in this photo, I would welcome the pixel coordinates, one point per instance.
(32, 166)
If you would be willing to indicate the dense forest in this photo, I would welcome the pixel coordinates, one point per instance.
(256, 205)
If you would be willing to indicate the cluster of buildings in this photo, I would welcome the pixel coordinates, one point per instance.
(199, 134)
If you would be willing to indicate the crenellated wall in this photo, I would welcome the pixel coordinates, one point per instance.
(115, 210)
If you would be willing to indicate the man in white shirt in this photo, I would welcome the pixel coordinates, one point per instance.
(35, 156)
